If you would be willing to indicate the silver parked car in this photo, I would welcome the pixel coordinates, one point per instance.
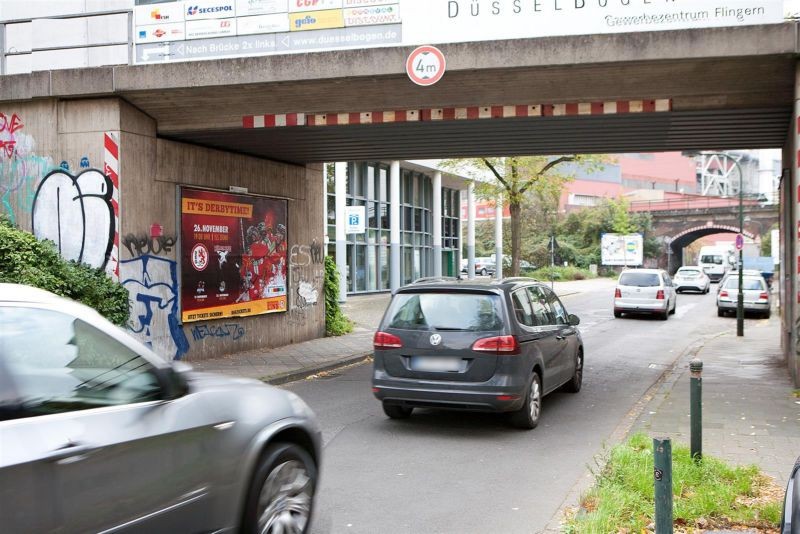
(99, 434)
(691, 279)
(757, 297)
(645, 291)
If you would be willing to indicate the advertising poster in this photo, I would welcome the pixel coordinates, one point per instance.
(233, 255)
(617, 249)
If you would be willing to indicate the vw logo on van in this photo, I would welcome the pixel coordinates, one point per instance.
(436, 339)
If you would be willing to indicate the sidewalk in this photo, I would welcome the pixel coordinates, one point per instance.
(294, 362)
(750, 414)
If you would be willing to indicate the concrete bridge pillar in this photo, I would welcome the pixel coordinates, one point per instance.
(790, 240)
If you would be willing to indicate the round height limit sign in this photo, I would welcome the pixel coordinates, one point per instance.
(425, 65)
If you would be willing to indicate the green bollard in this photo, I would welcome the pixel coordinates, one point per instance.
(662, 472)
(696, 408)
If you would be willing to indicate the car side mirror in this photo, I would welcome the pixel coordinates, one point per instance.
(173, 380)
(574, 320)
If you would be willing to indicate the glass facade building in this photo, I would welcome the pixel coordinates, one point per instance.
(368, 254)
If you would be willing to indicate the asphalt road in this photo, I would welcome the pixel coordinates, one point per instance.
(452, 472)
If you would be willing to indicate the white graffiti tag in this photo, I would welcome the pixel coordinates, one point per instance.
(75, 213)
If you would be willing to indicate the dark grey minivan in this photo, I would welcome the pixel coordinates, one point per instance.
(499, 347)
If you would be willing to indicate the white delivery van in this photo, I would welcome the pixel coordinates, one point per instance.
(714, 261)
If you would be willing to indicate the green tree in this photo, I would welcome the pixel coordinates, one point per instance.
(516, 180)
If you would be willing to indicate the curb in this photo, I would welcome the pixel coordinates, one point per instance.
(624, 427)
(305, 372)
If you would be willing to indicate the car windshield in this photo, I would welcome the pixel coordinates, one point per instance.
(446, 311)
(748, 283)
(716, 260)
(639, 279)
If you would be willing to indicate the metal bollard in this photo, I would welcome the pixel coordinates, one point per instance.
(662, 472)
(696, 408)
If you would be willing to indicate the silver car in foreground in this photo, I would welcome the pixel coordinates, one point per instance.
(99, 434)
(757, 297)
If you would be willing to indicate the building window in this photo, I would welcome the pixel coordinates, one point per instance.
(584, 200)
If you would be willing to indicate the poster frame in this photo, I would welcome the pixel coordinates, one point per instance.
(181, 187)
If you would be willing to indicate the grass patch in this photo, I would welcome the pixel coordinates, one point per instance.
(796, 393)
(707, 495)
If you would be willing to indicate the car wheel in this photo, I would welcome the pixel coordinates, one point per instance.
(766, 315)
(574, 384)
(617, 314)
(674, 307)
(665, 315)
(527, 416)
(282, 492)
(483, 272)
(395, 411)
(720, 312)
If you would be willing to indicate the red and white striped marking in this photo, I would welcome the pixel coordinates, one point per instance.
(111, 169)
(454, 114)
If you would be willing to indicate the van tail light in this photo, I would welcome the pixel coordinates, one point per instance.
(503, 345)
(763, 296)
(618, 294)
(723, 294)
(382, 340)
(660, 294)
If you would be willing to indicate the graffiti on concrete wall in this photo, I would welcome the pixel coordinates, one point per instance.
(141, 244)
(152, 285)
(231, 331)
(306, 277)
(75, 212)
(20, 167)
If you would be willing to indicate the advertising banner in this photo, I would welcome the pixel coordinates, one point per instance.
(317, 25)
(617, 249)
(246, 8)
(199, 29)
(368, 16)
(316, 20)
(173, 31)
(233, 255)
(260, 24)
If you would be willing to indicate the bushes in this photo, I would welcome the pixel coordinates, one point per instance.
(562, 273)
(26, 260)
(336, 324)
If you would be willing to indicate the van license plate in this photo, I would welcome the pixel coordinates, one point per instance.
(436, 364)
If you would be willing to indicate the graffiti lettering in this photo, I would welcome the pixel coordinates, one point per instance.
(231, 330)
(20, 167)
(12, 125)
(152, 285)
(75, 212)
(302, 255)
(306, 280)
(142, 244)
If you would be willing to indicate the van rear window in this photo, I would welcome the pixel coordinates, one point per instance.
(713, 260)
(468, 312)
(639, 279)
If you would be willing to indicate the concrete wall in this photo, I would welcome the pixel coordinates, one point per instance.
(38, 138)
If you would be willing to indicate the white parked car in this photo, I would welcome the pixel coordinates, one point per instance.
(757, 298)
(645, 291)
(691, 279)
